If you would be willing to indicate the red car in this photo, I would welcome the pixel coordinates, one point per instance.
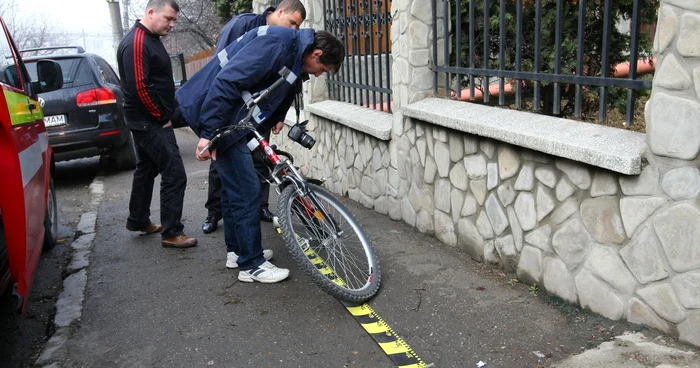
(28, 211)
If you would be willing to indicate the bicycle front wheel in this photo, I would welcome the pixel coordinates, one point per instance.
(341, 260)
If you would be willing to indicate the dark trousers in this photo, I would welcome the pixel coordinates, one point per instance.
(240, 204)
(157, 153)
(213, 204)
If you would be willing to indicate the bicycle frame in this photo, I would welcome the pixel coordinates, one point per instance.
(284, 170)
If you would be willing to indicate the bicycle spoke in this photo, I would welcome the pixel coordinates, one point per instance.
(339, 256)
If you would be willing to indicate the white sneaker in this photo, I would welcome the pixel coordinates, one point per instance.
(232, 258)
(266, 273)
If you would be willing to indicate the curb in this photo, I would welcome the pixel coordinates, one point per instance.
(69, 305)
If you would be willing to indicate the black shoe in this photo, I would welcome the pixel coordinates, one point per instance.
(266, 215)
(210, 224)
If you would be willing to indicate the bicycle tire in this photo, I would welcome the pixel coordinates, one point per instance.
(331, 262)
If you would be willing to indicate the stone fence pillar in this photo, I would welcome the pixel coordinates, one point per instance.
(673, 140)
(260, 5)
(316, 89)
(412, 80)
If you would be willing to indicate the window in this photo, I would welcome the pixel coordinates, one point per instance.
(9, 71)
(76, 71)
(106, 72)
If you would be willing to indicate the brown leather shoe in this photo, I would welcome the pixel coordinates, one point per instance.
(151, 228)
(180, 241)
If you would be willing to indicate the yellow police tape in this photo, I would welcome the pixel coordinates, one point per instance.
(388, 340)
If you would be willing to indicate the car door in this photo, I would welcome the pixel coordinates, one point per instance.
(177, 64)
(24, 164)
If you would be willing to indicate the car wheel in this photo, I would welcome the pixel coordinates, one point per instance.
(51, 218)
(124, 156)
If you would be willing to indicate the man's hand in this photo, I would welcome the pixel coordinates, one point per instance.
(206, 154)
(278, 128)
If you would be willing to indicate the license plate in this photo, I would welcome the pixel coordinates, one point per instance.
(55, 120)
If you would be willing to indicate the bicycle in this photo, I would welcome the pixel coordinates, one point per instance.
(322, 235)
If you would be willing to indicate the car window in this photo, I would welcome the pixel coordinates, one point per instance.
(76, 71)
(9, 70)
(83, 76)
(106, 72)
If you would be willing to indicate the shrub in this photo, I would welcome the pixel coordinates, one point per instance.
(226, 9)
(593, 45)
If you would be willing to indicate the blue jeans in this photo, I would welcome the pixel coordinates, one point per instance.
(240, 204)
(213, 204)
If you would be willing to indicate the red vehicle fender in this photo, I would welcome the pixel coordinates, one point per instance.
(25, 160)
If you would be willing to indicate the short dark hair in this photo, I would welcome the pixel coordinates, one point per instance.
(158, 4)
(293, 6)
(333, 49)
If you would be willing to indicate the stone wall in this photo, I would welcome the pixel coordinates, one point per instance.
(625, 247)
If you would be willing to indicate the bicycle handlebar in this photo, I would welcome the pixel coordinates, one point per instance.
(257, 98)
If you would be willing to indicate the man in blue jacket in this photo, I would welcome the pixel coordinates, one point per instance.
(216, 96)
(290, 14)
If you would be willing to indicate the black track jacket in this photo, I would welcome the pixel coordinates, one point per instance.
(146, 78)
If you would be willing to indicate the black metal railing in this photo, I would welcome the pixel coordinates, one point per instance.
(557, 57)
(363, 26)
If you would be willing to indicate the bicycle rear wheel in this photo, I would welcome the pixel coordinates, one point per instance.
(344, 263)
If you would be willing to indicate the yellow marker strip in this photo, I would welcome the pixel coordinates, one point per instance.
(395, 347)
(388, 340)
(359, 310)
(339, 282)
(375, 327)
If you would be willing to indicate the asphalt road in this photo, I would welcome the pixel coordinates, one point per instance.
(150, 306)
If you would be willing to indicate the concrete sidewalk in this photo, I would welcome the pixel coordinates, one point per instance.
(149, 306)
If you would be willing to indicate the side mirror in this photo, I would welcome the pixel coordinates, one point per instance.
(49, 75)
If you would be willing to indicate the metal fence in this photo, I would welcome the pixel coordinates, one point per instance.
(363, 26)
(557, 57)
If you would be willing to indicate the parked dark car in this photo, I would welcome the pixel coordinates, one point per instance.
(85, 118)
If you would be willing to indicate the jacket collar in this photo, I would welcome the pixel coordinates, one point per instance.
(145, 29)
(262, 17)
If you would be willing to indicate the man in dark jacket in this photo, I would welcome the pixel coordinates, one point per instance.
(149, 104)
(216, 96)
(290, 14)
